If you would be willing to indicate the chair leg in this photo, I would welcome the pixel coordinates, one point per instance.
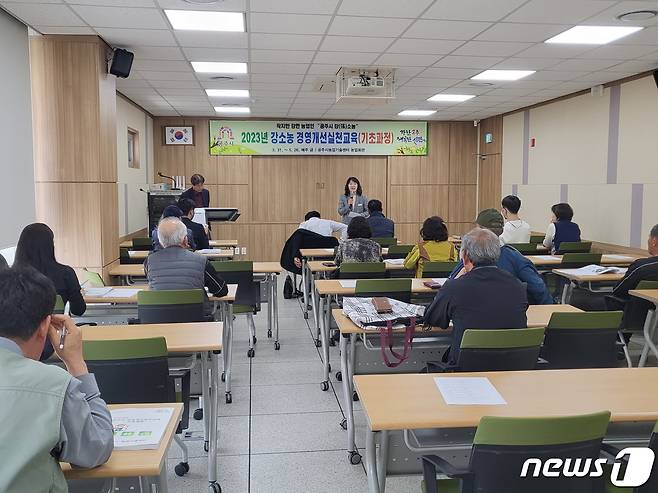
(627, 355)
(183, 447)
(252, 335)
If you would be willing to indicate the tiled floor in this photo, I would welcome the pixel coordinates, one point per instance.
(281, 433)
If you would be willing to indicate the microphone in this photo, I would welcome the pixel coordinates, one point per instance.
(165, 176)
(142, 190)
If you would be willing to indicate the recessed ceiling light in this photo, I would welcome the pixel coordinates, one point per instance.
(227, 93)
(502, 74)
(637, 15)
(205, 20)
(232, 109)
(458, 98)
(593, 35)
(416, 112)
(220, 67)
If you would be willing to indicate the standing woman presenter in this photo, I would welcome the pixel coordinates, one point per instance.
(353, 202)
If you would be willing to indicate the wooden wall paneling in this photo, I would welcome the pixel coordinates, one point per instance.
(232, 196)
(462, 203)
(107, 107)
(63, 73)
(408, 233)
(435, 167)
(490, 182)
(233, 170)
(267, 241)
(168, 159)
(283, 188)
(414, 203)
(109, 222)
(404, 170)
(235, 231)
(76, 223)
(494, 126)
(197, 157)
(463, 150)
(459, 228)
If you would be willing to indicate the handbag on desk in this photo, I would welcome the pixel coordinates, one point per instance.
(364, 313)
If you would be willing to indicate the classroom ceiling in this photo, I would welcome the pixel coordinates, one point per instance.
(435, 45)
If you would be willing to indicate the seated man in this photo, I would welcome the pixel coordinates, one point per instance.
(512, 261)
(199, 232)
(381, 226)
(324, 227)
(48, 414)
(175, 267)
(485, 297)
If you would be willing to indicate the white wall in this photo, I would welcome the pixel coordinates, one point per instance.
(16, 162)
(133, 214)
(599, 151)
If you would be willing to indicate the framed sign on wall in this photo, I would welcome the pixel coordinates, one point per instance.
(179, 136)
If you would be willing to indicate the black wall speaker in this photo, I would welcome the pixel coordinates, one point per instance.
(122, 60)
(655, 77)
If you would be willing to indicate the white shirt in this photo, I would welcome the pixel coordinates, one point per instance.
(325, 227)
(515, 232)
(550, 234)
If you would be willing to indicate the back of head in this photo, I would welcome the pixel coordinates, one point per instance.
(481, 246)
(653, 241)
(171, 232)
(375, 205)
(512, 203)
(36, 247)
(311, 214)
(197, 179)
(27, 297)
(359, 228)
(562, 211)
(491, 219)
(434, 229)
(186, 205)
(171, 211)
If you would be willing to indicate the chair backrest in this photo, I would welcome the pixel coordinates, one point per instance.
(94, 278)
(385, 242)
(438, 269)
(361, 270)
(59, 305)
(399, 251)
(576, 260)
(171, 306)
(131, 371)
(582, 340)
(399, 289)
(240, 272)
(574, 247)
(536, 239)
(651, 486)
(526, 248)
(500, 349)
(502, 445)
(142, 244)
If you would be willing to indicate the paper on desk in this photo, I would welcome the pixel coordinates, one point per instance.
(211, 250)
(440, 280)
(625, 258)
(595, 270)
(121, 293)
(468, 391)
(140, 428)
(97, 292)
(546, 257)
(348, 283)
(394, 261)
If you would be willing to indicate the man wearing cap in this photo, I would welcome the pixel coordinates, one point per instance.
(511, 260)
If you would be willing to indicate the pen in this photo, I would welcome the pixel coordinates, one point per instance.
(61, 337)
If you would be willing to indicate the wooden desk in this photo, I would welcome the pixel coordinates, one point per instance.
(217, 253)
(606, 259)
(132, 300)
(326, 287)
(316, 266)
(407, 402)
(576, 279)
(132, 463)
(650, 323)
(137, 270)
(213, 243)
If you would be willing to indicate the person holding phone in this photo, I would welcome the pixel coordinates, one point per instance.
(353, 202)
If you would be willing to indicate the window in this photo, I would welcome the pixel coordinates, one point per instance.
(133, 148)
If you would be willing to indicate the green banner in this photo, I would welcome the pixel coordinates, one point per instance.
(343, 138)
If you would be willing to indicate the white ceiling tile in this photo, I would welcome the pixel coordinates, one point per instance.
(609, 17)
(343, 59)
(222, 77)
(453, 61)
(284, 56)
(160, 65)
(276, 78)
(543, 50)
(518, 63)
(172, 84)
(634, 67)
(182, 92)
(122, 17)
(650, 56)
(74, 30)
(158, 53)
(322, 69)
(225, 84)
(430, 29)
(558, 11)
(279, 68)
(447, 73)
(157, 75)
(285, 41)
(128, 38)
(295, 6)
(472, 10)
(535, 33)
(595, 78)
(114, 3)
(556, 75)
(434, 46)
(216, 54)
(431, 82)
(44, 15)
(491, 48)
(648, 36)
(619, 52)
(206, 39)
(288, 23)
(368, 26)
(37, 1)
(355, 43)
(582, 64)
(384, 8)
(224, 5)
(410, 60)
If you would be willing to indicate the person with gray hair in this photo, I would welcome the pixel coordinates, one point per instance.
(485, 297)
(175, 267)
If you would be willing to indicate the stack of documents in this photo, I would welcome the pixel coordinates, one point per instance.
(394, 261)
(595, 270)
(109, 292)
(140, 428)
(468, 391)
